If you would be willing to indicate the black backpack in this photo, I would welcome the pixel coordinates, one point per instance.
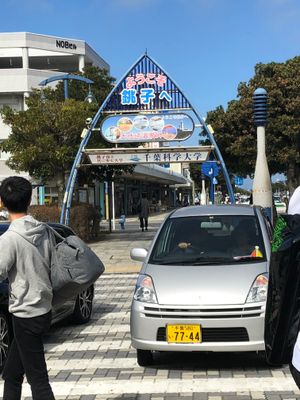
(74, 267)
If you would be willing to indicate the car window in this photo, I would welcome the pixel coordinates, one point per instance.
(219, 239)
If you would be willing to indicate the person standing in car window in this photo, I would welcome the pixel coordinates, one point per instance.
(25, 252)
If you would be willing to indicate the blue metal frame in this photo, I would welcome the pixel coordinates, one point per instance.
(65, 78)
(65, 213)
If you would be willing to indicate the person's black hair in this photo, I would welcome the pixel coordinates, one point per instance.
(15, 193)
(144, 195)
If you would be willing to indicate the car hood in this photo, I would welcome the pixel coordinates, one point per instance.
(204, 285)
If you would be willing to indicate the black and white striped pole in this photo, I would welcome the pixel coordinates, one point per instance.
(262, 188)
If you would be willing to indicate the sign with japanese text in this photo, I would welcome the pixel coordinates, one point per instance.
(146, 87)
(147, 128)
(135, 91)
(148, 156)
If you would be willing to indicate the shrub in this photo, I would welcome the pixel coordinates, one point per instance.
(84, 218)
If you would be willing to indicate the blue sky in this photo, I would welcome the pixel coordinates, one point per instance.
(207, 46)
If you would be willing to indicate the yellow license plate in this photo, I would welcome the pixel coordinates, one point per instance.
(184, 334)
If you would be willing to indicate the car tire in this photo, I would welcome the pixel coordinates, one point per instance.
(144, 357)
(83, 306)
(5, 337)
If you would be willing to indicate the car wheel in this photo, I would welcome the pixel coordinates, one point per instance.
(5, 338)
(83, 306)
(144, 357)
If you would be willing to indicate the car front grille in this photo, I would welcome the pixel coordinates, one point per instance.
(214, 335)
(244, 311)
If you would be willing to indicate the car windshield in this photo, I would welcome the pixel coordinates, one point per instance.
(209, 240)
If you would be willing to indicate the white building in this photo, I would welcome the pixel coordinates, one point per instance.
(28, 58)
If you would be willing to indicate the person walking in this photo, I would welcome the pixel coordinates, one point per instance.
(25, 255)
(144, 212)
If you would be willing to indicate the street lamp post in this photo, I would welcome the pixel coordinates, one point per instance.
(68, 77)
(262, 188)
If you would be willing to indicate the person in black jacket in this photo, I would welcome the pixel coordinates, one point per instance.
(294, 208)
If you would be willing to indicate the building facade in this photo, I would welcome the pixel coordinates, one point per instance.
(28, 58)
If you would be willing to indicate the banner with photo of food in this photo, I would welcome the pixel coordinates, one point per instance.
(147, 128)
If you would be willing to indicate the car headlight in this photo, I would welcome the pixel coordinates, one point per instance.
(259, 289)
(144, 290)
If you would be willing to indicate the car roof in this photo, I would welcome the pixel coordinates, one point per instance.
(230, 209)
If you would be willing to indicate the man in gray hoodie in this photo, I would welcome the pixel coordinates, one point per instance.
(25, 253)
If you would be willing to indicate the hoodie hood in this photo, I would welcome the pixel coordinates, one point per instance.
(31, 229)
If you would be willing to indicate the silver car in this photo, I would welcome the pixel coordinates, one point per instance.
(203, 283)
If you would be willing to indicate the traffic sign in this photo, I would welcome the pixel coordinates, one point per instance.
(210, 169)
(238, 180)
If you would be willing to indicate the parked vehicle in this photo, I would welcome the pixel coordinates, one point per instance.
(203, 283)
(79, 308)
(279, 204)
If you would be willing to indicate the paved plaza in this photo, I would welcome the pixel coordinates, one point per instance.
(96, 361)
(114, 248)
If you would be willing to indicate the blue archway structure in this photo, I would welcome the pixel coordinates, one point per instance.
(168, 96)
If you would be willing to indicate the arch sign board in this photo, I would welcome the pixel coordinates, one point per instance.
(168, 155)
(146, 105)
(159, 127)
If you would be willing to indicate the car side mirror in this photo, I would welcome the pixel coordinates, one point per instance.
(138, 254)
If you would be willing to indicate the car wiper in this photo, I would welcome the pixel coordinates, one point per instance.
(175, 262)
(211, 260)
(196, 261)
(247, 258)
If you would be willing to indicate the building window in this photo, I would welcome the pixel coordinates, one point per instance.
(10, 62)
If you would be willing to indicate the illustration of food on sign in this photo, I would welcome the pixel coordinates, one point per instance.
(141, 122)
(157, 123)
(125, 124)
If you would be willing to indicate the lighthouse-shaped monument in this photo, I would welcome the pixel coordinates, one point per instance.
(262, 188)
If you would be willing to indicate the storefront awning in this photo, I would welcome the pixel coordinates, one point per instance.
(156, 173)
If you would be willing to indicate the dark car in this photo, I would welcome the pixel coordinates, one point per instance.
(79, 308)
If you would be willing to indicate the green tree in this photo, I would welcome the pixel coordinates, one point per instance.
(236, 134)
(45, 137)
